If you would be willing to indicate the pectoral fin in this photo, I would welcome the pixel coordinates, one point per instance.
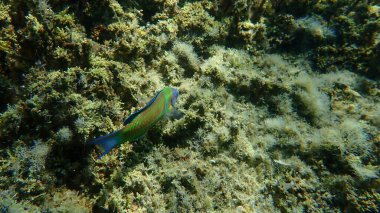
(174, 113)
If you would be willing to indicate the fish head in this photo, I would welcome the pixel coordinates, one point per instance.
(174, 97)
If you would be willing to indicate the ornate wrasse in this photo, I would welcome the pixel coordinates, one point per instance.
(137, 124)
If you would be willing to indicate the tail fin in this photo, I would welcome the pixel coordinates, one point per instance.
(106, 143)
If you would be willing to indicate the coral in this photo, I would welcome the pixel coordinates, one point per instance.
(8, 204)
(186, 56)
(66, 200)
(253, 34)
(315, 104)
(25, 171)
(313, 26)
(64, 134)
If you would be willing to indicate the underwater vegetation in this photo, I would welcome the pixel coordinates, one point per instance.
(280, 101)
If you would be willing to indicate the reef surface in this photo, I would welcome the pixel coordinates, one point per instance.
(281, 103)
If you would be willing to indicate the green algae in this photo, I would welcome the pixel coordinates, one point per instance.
(280, 100)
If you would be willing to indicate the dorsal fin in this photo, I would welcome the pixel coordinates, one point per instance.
(133, 116)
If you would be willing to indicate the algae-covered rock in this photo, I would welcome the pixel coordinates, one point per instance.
(280, 105)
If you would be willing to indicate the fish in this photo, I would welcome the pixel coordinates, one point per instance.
(138, 123)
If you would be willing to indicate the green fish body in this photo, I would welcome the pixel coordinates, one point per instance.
(137, 124)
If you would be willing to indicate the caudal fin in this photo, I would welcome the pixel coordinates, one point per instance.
(106, 143)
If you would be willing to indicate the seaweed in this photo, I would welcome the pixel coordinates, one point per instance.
(280, 102)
